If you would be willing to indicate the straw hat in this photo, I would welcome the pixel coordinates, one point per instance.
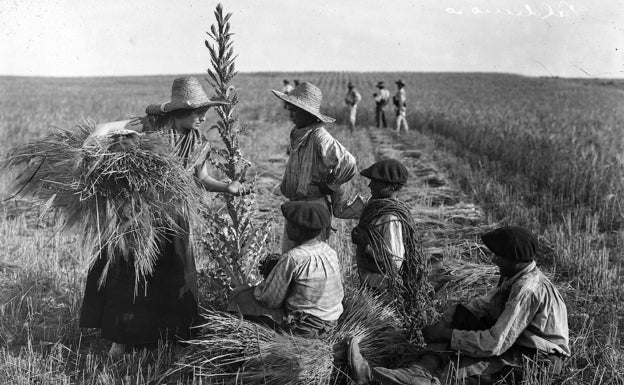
(187, 93)
(308, 97)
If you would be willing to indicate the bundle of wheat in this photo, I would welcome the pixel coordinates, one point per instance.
(125, 194)
(233, 350)
(384, 342)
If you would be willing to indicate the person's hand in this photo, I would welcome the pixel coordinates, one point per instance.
(436, 333)
(266, 265)
(358, 236)
(237, 188)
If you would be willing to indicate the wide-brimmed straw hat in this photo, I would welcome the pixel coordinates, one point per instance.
(308, 97)
(187, 93)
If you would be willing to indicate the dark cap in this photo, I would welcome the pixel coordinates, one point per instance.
(387, 170)
(309, 215)
(511, 242)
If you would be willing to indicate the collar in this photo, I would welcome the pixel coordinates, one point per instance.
(299, 136)
(508, 282)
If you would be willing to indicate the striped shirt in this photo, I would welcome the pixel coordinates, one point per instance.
(314, 154)
(306, 278)
(529, 312)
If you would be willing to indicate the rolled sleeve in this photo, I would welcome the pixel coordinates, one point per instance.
(336, 157)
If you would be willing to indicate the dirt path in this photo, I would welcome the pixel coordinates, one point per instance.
(449, 223)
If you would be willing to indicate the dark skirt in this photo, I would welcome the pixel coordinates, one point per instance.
(165, 305)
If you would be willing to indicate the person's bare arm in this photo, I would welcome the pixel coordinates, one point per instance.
(211, 184)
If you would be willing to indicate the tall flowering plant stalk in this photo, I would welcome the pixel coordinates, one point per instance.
(232, 240)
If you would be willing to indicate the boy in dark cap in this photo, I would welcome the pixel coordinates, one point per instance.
(385, 234)
(524, 317)
(303, 292)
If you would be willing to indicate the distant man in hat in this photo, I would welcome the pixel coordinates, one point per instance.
(303, 292)
(490, 337)
(381, 100)
(385, 234)
(317, 164)
(400, 100)
(351, 100)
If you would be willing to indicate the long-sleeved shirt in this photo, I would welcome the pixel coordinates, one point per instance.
(314, 154)
(306, 278)
(529, 311)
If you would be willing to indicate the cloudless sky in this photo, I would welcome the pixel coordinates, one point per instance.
(576, 38)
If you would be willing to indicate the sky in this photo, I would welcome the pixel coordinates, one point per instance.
(575, 38)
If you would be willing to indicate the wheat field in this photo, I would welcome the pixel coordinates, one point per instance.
(545, 153)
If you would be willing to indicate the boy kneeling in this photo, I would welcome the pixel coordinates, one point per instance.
(303, 293)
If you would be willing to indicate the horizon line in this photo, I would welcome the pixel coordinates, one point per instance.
(587, 76)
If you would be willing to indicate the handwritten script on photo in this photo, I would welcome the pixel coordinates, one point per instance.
(542, 10)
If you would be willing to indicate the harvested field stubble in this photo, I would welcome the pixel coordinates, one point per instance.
(540, 150)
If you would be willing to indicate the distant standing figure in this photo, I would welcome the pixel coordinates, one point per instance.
(287, 88)
(352, 99)
(317, 164)
(381, 100)
(400, 99)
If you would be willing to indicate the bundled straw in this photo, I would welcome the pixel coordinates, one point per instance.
(125, 192)
(232, 350)
(461, 280)
(236, 351)
(411, 290)
(383, 341)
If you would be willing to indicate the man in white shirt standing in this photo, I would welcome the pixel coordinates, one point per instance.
(400, 99)
(351, 100)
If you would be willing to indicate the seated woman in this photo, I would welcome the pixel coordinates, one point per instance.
(303, 293)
